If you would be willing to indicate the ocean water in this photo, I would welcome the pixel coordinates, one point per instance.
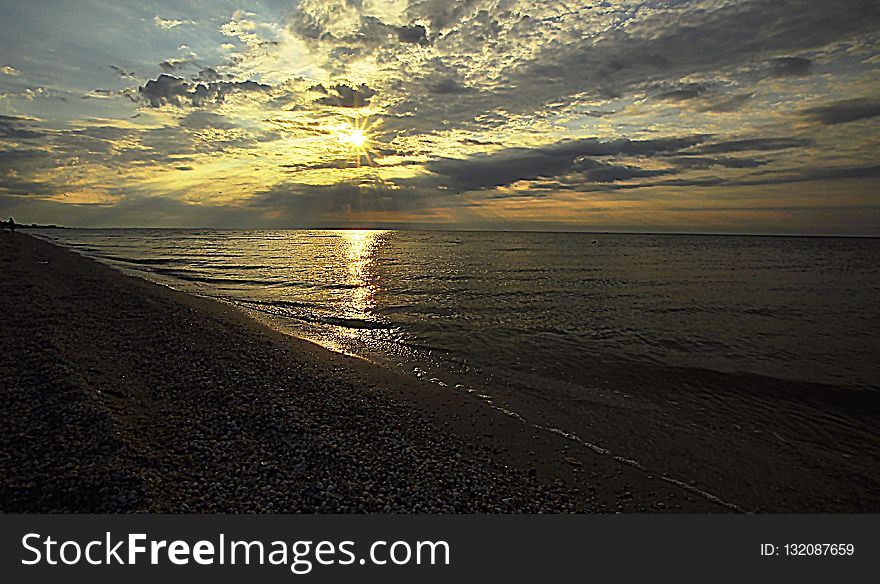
(476, 310)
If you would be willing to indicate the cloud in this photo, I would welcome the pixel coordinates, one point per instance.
(765, 178)
(208, 74)
(340, 204)
(169, 90)
(342, 95)
(122, 72)
(508, 166)
(843, 112)
(815, 174)
(446, 86)
(166, 90)
(345, 27)
(414, 34)
(703, 96)
(521, 63)
(15, 128)
(100, 94)
(753, 144)
(609, 173)
(167, 24)
(684, 92)
(790, 67)
(703, 162)
(725, 103)
(172, 65)
(200, 119)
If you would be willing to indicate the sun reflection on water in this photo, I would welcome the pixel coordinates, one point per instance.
(361, 246)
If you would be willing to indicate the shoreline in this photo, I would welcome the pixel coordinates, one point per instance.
(124, 396)
(127, 396)
(540, 468)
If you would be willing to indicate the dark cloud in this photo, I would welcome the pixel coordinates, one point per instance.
(99, 94)
(590, 165)
(20, 173)
(812, 174)
(307, 26)
(372, 32)
(843, 112)
(476, 142)
(328, 165)
(26, 186)
(790, 67)
(342, 95)
(706, 181)
(208, 74)
(9, 158)
(329, 205)
(609, 173)
(702, 162)
(18, 161)
(674, 41)
(765, 178)
(702, 97)
(172, 65)
(15, 128)
(508, 166)
(200, 119)
(684, 92)
(164, 90)
(725, 103)
(122, 72)
(753, 144)
(415, 34)
(168, 90)
(446, 86)
(442, 15)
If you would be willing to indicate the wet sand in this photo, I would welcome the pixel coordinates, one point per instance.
(119, 395)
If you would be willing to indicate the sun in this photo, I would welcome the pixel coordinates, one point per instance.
(355, 138)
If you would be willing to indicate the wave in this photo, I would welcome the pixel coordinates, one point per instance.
(191, 276)
(351, 323)
(147, 261)
(276, 303)
(337, 321)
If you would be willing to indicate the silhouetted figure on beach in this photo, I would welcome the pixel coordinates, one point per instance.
(11, 224)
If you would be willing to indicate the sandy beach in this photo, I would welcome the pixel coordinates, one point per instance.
(120, 395)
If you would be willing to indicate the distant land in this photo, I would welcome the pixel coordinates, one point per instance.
(38, 226)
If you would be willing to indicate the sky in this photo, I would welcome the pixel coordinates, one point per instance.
(733, 116)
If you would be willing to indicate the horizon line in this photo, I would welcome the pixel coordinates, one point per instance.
(459, 230)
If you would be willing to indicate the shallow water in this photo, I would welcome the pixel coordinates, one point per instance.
(472, 308)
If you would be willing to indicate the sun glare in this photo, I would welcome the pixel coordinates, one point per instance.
(357, 136)
(354, 138)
